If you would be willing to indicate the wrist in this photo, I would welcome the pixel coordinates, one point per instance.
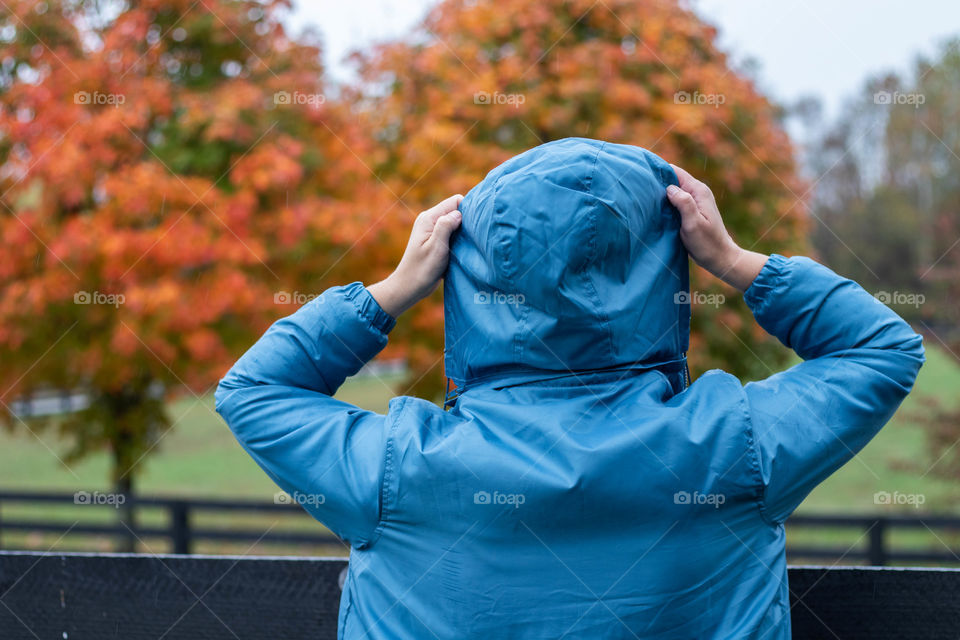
(741, 267)
(725, 262)
(392, 295)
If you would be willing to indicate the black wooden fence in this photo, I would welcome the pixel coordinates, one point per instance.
(137, 596)
(182, 532)
(179, 528)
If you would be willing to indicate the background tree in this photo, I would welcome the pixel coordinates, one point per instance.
(923, 155)
(888, 199)
(481, 81)
(173, 179)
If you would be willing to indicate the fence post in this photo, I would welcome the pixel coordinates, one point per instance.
(180, 526)
(878, 552)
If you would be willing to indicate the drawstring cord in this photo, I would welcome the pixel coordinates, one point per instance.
(450, 397)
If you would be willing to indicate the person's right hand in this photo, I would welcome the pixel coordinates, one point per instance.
(706, 239)
(424, 260)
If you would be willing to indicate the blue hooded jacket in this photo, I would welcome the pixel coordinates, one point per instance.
(577, 488)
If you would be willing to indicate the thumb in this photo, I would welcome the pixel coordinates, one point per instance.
(685, 203)
(445, 226)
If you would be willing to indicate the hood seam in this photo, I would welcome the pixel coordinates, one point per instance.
(662, 169)
(594, 232)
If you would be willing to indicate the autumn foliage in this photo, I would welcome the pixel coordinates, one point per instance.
(174, 179)
(179, 174)
(487, 80)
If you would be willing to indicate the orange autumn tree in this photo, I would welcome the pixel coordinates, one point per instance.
(174, 178)
(483, 80)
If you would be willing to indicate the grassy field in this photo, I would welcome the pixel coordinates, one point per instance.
(898, 458)
(200, 458)
(197, 457)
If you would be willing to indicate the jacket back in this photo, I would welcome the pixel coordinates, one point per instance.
(578, 487)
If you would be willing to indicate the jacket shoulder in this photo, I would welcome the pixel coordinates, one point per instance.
(714, 383)
(719, 398)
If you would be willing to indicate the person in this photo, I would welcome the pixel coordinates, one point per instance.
(579, 486)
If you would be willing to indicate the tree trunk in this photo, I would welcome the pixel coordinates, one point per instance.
(123, 486)
(133, 417)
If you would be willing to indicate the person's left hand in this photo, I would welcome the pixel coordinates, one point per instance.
(424, 260)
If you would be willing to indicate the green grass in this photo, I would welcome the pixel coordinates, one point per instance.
(898, 459)
(200, 458)
(197, 457)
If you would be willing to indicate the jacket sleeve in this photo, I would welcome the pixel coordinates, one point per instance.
(276, 399)
(860, 361)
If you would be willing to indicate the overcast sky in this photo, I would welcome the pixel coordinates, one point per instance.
(804, 47)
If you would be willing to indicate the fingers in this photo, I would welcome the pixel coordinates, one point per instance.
(685, 203)
(441, 220)
(444, 227)
(432, 214)
(683, 177)
(691, 185)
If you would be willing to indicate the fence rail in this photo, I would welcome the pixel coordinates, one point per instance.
(141, 597)
(183, 533)
(877, 529)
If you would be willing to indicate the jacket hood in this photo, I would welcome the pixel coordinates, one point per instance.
(568, 259)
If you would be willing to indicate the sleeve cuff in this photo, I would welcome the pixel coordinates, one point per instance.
(368, 308)
(760, 292)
